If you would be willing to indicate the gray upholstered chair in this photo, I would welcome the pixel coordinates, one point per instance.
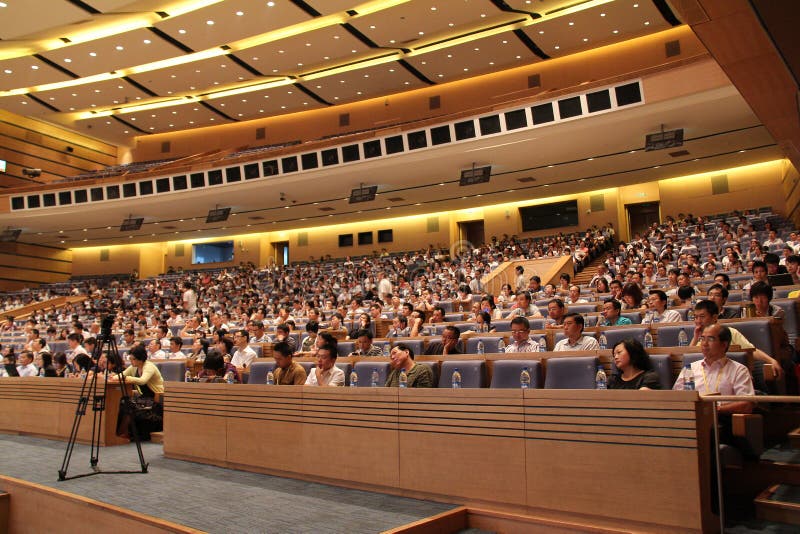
(577, 372)
(506, 373)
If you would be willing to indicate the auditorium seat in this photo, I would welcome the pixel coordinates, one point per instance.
(695, 356)
(347, 368)
(382, 344)
(364, 370)
(615, 335)
(590, 320)
(757, 333)
(581, 308)
(308, 366)
(635, 316)
(575, 372)
(502, 325)
(662, 364)
(489, 344)
(668, 334)
(343, 348)
(259, 371)
(454, 317)
(473, 373)
(506, 373)
(536, 324)
(257, 349)
(434, 367)
(790, 320)
(172, 371)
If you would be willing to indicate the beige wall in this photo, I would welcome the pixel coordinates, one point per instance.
(752, 186)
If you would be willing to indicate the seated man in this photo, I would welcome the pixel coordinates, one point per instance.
(312, 329)
(574, 296)
(523, 307)
(326, 373)
(417, 375)
(719, 294)
(448, 344)
(437, 315)
(244, 355)
(154, 351)
(657, 311)
(25, 366)
(611, 314)
(175, 345)
(364, 345)
(282, 332)
(287, 371)
(575, 340)
(555, 313)
(257, 333)
(520, 333)
(706, 314)
(399, 327)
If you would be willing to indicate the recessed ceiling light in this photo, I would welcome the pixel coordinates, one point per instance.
(181, 31)
(8, 71)
(557, 47)
(615, 31)
(67, 60)
(35, 67)
(541, 32)
(147, 41)
(210, 22)
(635, 5)
(3, 4)
(602, 14)
(422, 33)
(93, 54)
(647, 23)
(585, 39)
(239, 13)
(118, 47)
(270, 4)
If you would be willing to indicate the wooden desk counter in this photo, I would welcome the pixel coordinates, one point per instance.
(632, 459)
(46, 407)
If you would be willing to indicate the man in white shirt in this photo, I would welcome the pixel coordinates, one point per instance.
(154, 351)
(189, 298)
(326, 373)
(524, 307)
(244, 355)
(657, 311)
(25, 365)
(520, 333)
(75, 347)
(573, 328)
(175, 345)
(574, 296)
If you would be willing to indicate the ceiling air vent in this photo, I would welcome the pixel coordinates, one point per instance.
(527, 179)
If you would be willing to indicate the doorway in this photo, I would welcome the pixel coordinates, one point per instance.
(472, 232)
(641, 216)
(280, 253)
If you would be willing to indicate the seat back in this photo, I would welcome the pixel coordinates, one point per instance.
(259, 371)
(172, 371)
(757, 333)
(347, 368)
(489, 344)
(308, 366)
(434, 368)
(576, 372)
(668, 334)
(635, 316)
(790, 319)
(473, 373)
(343, 348)
(506, 373)
(364, 370)
(662, 364)
(582, 308)
(615, 335)
(502, 325)
(417, 345)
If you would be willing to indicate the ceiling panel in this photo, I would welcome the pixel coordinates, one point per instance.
(104, 128)
(303, 53)
(598, 26)
(87, 97)
(27, 71)
(257, 17)
(196, 77)
(365, 83)
(128, 49)
(328, 7)
(49, 13)
(407, 23)
(288, 99)
(489, 54)
(106, 6)
(23, 105)
(182, 117)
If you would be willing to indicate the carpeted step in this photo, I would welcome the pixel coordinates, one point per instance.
(780, 503)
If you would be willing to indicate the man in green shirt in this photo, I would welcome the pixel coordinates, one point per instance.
(418, 375)
(611, 314)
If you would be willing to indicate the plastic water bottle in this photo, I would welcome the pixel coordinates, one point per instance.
(229, 377)
(648, 340)
(542, 344)
(83, 374)
(683, 339)
(525, 378)
(386, 350)
(187, 377)
(603, 342)
(374, 378)
(600, 381)
(456, 379)
(480, 349)
(688, 378)
(271, 378)
(403, 380)
(353, 379)
(648, 317)
(743, 313)
(501, 345)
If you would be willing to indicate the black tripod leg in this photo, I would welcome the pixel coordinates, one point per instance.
(80, 411)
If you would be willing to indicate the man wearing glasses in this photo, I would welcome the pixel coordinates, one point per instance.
(520, 333)
(244, 355)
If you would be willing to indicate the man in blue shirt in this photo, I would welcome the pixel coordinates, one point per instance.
(611, 314)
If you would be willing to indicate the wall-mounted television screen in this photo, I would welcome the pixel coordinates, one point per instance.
(218, 252)
(544, 216)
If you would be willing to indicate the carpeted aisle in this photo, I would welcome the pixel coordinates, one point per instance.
(210, 498)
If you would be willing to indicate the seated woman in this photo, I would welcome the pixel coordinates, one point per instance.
(61, 366)
(488, 305)
(145, 412)
(144, 375)
(632, 297)
(483, 323)
(761, 295)
(634, 369)
(215, 369)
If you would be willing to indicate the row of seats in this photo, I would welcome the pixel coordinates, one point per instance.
(575, 372)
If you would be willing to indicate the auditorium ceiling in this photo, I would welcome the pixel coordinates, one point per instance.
(116, 69)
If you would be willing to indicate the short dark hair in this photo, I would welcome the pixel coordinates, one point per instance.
(771, 258)
(557, 302)
(725, 335)
(614, 302)
(75, 337)
(639, 358)
(283, 348)
(364, 333)
(403, 346)
(137, 352)
(708, 305)
(761, 288)
(660, 294)
(283, 327)
(214, 361)
(724, 277)
(524, 294)
(329, 338)
(579, 320)
(521, 320)
(722, 289)
(453, 330)
(332, 350)
(177, 340)
(312, 326)
(758, 263)
(685, 292)
(403, 320)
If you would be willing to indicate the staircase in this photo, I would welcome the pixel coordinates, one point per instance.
(589, 271)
